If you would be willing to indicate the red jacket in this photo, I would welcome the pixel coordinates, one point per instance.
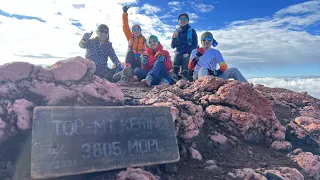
(152, 57)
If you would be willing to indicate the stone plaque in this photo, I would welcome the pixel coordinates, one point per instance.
(76, 140)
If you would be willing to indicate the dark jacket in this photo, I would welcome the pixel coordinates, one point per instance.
(181, 42)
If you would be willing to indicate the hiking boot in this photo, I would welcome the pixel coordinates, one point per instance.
(164, 81)
(184, 78)
(117, 76)
(175, 77)
(124, 78)
(147, 81)
(127, 71)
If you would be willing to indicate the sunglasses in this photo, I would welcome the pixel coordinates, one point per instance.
(135, 29)
(207, 39)
(183, 19)
(103, 31)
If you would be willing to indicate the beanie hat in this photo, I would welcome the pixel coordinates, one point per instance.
(103, 26)
(183, 14)
(151, 36)
(136, 25)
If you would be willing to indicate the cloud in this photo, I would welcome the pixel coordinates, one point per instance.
(149, 9)
(78, 6)
(308, 84)
(175, 5)
(252, 45)
(205, 8)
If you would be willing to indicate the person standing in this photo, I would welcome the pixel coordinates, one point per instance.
(184, 39)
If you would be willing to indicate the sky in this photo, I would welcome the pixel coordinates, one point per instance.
(261, 38)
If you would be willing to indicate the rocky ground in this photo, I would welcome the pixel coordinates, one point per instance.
(225, 129)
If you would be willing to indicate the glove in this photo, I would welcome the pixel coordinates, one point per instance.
(144, 60)
(160, 58)
(125, 9)
(87, 36)
(119, 67)
(200, 52)
(215, 72)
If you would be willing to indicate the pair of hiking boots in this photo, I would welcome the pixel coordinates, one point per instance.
(148, 80)
(123, 75)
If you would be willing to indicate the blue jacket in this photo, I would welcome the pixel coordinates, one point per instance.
(181, 42)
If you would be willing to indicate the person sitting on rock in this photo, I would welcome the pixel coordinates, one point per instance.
(156, 64)
(205, 59)
(136, 46)
(184, 39)
(98, 49)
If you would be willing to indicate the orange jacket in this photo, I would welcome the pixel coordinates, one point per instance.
(137, 44)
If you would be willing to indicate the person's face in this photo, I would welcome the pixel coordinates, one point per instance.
(102, 34)
(136, 31)
(183, 20)
(153, 44)
(206, 42)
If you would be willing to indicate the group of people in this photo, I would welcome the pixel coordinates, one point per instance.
(150, 63)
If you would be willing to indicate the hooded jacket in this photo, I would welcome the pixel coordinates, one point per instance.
(152, 57)
(137, 44)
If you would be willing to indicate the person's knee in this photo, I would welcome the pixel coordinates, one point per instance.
(137, 70)
(233, 69)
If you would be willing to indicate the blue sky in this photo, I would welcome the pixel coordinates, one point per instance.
(261, 38)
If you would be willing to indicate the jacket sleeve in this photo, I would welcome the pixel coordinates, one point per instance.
(84, 44)
(112, 54)
(167, 62)
(194, 39)
(192, 64)
(174, 42)
(125, 26)
(222, 64)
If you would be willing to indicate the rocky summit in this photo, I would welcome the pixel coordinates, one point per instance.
(225, 129)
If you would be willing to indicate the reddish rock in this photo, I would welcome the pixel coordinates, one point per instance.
(246, 173)
(188, 116)
(219, 139)
(136, 174)
(70, 82)
(284, 173)
(15, 71)
(207, 83)
(281, 146)
(72, 69)
(309, 163)
(195, 154)
(22, 112)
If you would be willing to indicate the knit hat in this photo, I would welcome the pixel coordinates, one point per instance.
(151, 36)
(103, 26)
(136, 25)
(183, 14)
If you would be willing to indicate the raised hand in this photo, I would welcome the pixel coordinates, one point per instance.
(125, 9)
(200, 52)
(175, 34)
(87, 36)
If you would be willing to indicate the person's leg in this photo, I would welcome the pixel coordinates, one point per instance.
(176, 64)
(157, 71)
(202, 72)
(185, 70)
(127, 71)
(233, 73)
(140, 73)
(195, 75)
